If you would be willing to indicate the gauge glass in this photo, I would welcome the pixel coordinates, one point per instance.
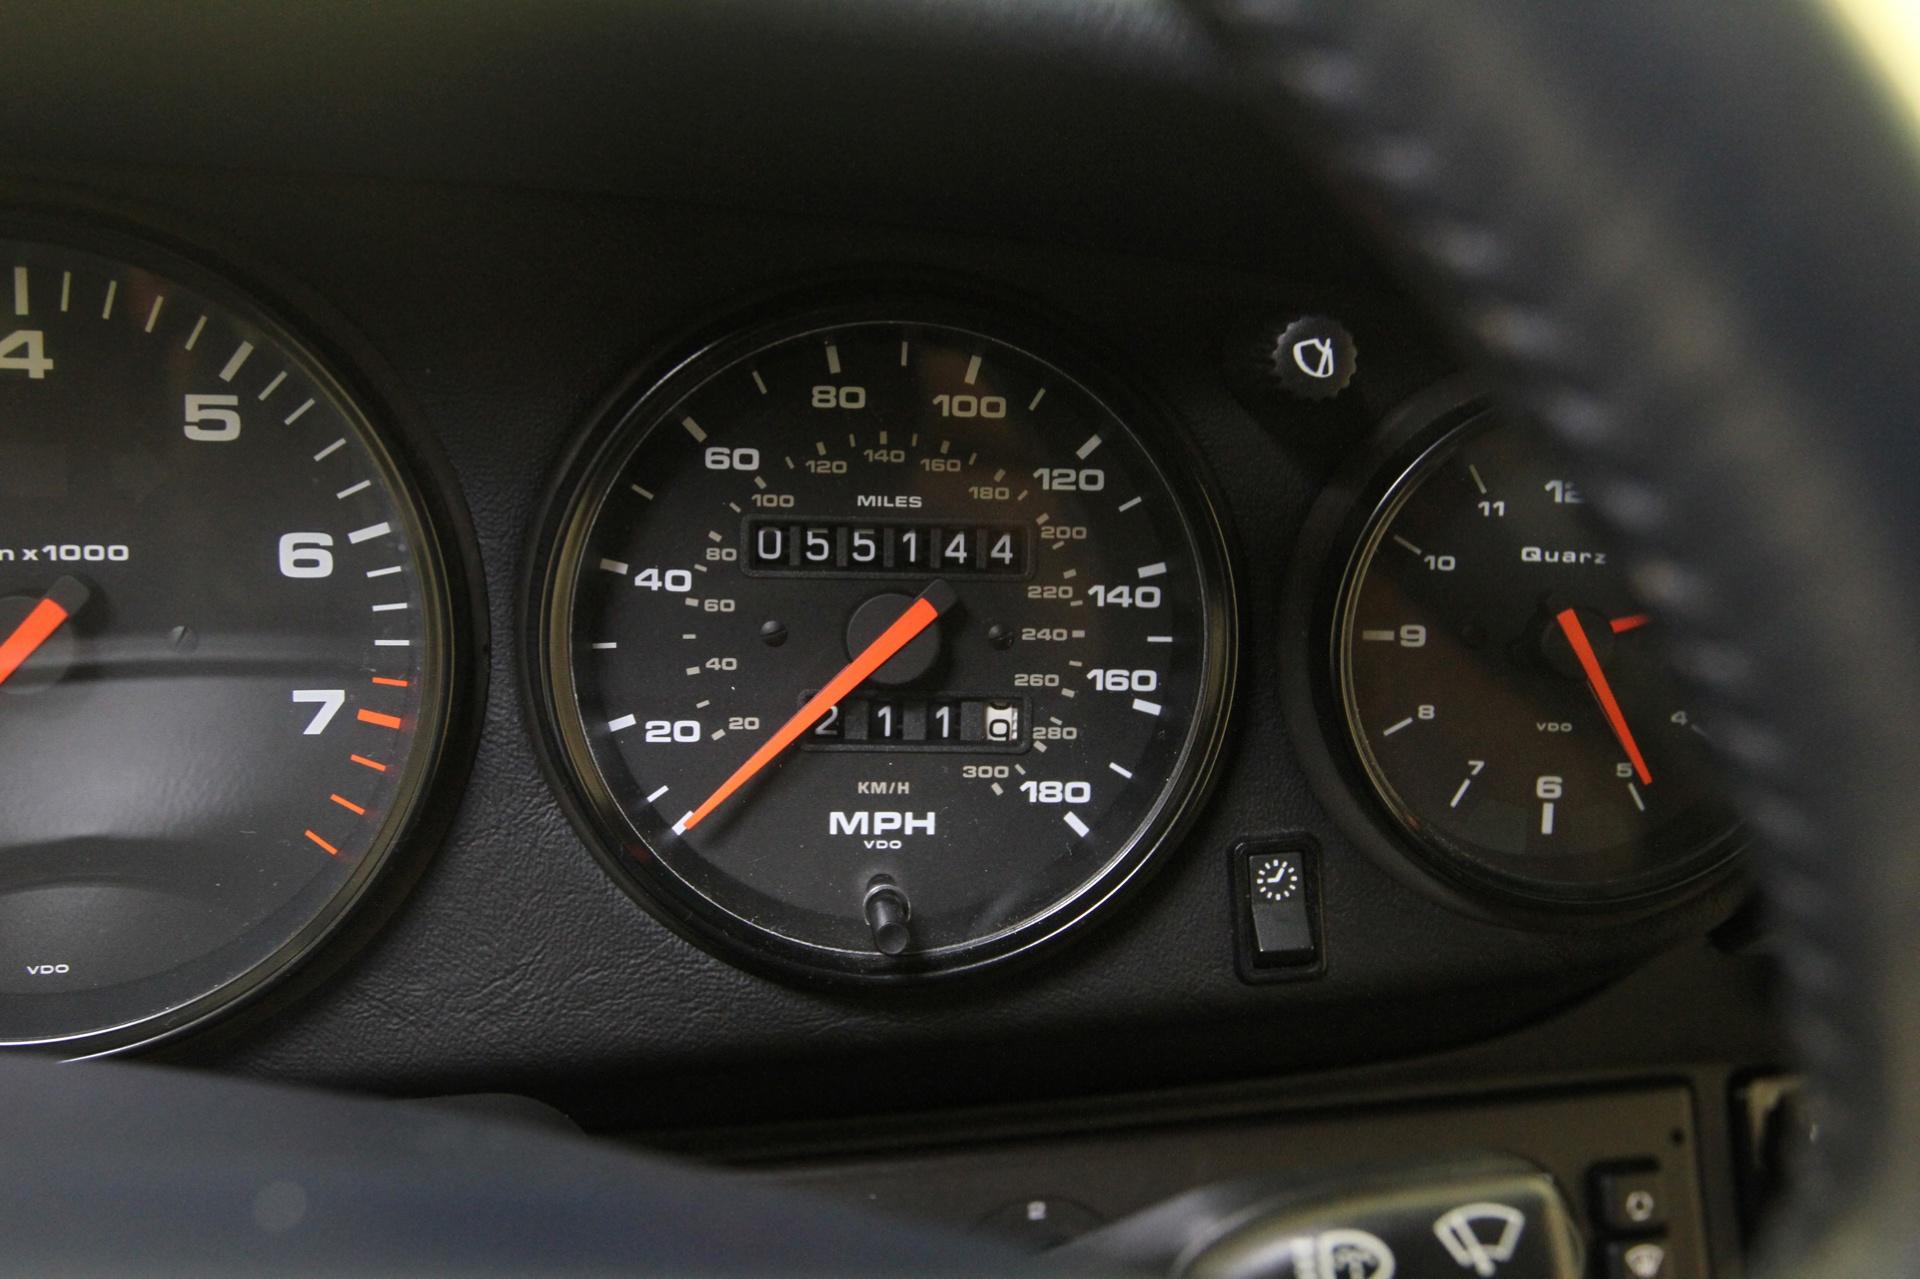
(1507, 696)
(223, 645)
(883, 648)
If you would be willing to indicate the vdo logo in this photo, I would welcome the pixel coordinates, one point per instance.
(47, 970)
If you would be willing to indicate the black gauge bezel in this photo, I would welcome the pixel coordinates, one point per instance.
(1346, 519)
(427, 498)
(619, 426)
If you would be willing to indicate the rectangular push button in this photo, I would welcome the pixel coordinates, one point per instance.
(1277, 884)
(1630, 1198)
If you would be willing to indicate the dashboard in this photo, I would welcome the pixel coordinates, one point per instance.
(750, 618)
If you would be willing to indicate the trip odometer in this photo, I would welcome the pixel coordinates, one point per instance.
(878, 648)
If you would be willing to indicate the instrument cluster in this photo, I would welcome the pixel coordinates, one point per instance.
(878, 637)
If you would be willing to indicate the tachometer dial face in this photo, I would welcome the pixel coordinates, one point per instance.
(883, 648)
(1507, 696)
(223, 646)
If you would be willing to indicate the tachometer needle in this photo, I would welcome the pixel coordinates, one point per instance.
(1602, 691)
(1632, 622)
(63, 599)
(922, 613)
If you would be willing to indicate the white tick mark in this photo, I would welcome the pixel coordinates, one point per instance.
(234, 361)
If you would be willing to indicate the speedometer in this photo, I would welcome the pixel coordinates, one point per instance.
(876, 648)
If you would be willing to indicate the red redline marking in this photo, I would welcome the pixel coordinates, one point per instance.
(1621, 625)
(375, 717)
(331, 850)
(349, 805)
(364, 762)
(390, 683)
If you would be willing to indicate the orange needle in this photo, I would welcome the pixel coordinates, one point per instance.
(65, 598)
(1602, 691)
(1633, 622)
(922, 613)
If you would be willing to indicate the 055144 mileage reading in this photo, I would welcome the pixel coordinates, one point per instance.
(879, 649)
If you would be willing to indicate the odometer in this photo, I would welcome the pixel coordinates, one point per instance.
(1507, 697)
(225, 644)
(878, 648)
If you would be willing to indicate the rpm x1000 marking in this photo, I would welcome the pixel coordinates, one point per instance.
(882, 648)
(224, 646)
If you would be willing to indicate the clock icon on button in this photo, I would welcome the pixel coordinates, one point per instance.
(1276, 878)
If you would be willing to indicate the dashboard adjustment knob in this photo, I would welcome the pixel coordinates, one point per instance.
(887, 914)
(1313, 358)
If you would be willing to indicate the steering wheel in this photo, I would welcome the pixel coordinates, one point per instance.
(1680, 233)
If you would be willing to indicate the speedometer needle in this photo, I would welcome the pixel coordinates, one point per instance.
(63, 599)
(922, 613)
(1602, 691)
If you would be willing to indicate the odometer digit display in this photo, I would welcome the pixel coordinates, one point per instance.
(881, 648)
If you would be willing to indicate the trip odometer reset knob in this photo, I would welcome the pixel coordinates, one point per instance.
(853, 614)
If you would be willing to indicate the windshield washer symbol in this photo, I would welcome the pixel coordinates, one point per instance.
(1481, 1237)
(1314, 357)
(1341, 1254)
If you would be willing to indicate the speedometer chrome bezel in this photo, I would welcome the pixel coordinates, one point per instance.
(619, 426)
(1345, 520)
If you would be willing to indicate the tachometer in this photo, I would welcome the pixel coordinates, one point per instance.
(878, 648)
(225, 644)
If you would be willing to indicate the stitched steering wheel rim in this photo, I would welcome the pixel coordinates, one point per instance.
(1667, 229)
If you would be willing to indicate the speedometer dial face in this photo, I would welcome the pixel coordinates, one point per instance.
(883, 648)
(1508, 697)
(223, 646)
